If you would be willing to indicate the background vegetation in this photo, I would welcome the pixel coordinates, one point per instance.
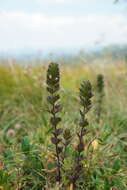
(26, 152)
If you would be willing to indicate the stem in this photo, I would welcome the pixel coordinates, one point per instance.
(57, 153)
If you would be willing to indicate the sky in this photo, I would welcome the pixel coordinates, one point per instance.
(61, 24)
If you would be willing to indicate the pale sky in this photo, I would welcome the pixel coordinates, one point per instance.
(54, 24)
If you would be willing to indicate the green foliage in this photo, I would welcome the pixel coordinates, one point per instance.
(26, 147)
(90, 159)
(32, 166)
(4, 181)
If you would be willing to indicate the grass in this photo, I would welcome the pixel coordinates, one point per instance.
(26, 159)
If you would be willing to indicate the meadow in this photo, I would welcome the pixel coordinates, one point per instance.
(26, 153)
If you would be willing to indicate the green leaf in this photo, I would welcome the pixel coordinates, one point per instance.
(106, 184)
(25, 144)
(116, 164)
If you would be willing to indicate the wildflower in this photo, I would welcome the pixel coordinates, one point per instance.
(95, 144)
(10, 133)
(18, 126)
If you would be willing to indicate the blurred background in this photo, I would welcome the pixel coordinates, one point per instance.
(53, 28)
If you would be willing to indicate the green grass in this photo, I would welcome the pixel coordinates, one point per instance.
(26, 154)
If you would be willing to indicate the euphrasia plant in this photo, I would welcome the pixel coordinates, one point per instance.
(61, 139)
(85, 102)
(53, 86)
(100, 95)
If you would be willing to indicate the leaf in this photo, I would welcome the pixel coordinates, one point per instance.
(49, 130)
(58, 131)
(116, 165)
(53, 99)
(55, 121)
(67, 134)
(55, 140)
(59, 149)
(106, 184)
(57, 108)
(25, 144)
(117, 182)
